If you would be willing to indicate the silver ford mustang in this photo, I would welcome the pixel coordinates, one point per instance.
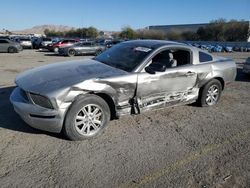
(80, 97)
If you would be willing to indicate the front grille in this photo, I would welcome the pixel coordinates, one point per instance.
(24, 94)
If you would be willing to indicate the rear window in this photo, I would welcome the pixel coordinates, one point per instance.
(3, 41)
(204, 57)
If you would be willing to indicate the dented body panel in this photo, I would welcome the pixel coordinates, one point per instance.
(131, 92)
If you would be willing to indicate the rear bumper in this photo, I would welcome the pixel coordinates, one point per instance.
(26, 45)
(36, 116)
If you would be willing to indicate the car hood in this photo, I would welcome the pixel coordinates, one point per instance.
(53, 77)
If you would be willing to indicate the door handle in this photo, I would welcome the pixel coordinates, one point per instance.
(190, 73)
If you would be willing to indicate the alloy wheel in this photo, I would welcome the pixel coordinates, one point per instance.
(89, 120)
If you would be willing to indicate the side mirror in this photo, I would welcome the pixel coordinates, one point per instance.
(149, 70)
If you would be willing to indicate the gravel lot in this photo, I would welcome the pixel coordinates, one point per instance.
(184, 146)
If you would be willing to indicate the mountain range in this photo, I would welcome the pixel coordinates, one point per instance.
(39, 29)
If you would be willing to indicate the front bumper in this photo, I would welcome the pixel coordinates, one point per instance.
(36, 116)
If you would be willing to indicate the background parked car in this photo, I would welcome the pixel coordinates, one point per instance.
(5, 37)
(112, 43)
(82, 48)
(54, 47)
(25, 42)
(246, 67)
(7, 45)
(44, 42)
(41, 42)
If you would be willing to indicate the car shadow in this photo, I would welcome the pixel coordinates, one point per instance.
(242, 77)
(42, 50)
(53, 54)
(10, 120)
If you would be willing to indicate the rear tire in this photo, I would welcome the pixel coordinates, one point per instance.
(71, 53)
(56, 49)
(12, 50)
(210, 93)
(86, 118)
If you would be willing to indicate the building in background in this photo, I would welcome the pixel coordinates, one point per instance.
(179, 28)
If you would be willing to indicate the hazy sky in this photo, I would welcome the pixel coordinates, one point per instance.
(115, 14)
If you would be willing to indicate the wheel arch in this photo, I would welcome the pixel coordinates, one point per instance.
(219, 78)
(110, 103)
(107, 98)
(221, 81)
(12, 47)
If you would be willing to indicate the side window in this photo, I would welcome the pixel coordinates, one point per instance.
(181, 57)
(3, 41)
(65, 41)
(162, 61)
(87, 44)
(204, 57)
(171, 58)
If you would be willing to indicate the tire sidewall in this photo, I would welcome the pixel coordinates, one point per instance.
(56, 49)
(69, 54)
(11, 50)
(99, 51)
(81, 101)
(205, 89)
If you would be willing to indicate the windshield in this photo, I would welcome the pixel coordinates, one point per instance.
(125, 56)
(47, 39)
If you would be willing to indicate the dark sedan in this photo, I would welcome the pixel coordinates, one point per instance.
(82, 48)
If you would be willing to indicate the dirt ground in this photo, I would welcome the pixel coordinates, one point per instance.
(184, 146)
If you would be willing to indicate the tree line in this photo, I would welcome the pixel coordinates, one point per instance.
(216, 30)
(90, 32)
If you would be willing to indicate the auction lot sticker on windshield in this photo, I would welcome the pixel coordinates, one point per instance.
(142, 49)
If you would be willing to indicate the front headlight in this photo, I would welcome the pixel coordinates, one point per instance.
(41, 101)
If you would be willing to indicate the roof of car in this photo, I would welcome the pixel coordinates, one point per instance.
(152, 43)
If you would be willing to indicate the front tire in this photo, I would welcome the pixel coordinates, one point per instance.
(86, 118)
(71, 53)
(98, 52)
(210, 93)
